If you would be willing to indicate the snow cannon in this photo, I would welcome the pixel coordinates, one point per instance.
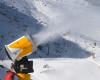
(21, 47)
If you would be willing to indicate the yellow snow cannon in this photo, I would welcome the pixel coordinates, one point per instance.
(20, 47)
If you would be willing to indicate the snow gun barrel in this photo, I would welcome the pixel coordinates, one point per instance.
(21, 47)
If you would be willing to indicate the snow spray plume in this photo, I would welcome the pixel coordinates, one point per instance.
(78, 17)
(48, 35)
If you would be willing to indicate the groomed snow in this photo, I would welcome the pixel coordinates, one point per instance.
(65, 69)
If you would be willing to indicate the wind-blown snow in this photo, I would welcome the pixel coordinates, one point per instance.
(62, 16)
(75, 16)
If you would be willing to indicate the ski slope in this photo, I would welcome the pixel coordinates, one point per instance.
(68, 57)
(62, 69)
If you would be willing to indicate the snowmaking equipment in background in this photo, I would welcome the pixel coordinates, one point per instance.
(18, 51)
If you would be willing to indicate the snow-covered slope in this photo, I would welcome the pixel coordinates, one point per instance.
(62, 69)
(65, 69)
(70, 56)
(77, 16)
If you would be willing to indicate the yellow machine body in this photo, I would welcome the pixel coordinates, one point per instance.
(22, 76)
(20, 47)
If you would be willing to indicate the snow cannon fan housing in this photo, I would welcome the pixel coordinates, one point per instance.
(20, 48)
